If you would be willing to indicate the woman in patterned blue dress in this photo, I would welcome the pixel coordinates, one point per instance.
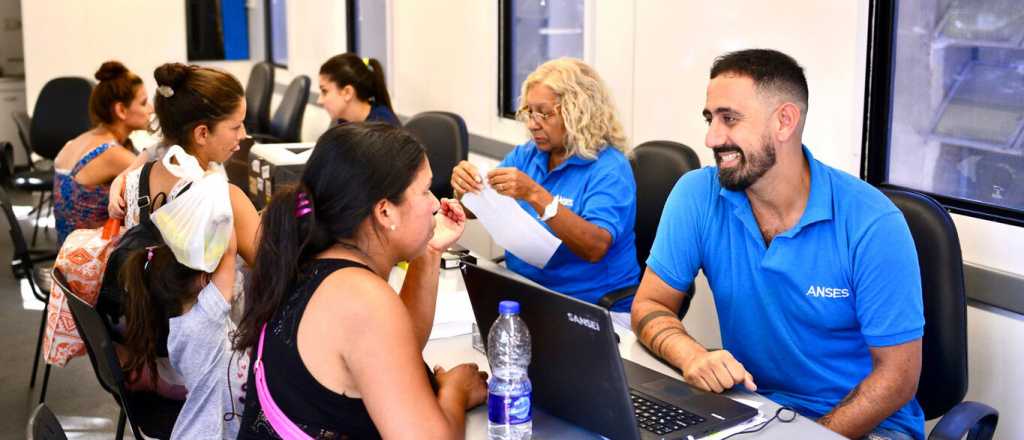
(87, 164)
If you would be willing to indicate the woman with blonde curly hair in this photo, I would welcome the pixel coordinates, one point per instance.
(574, 176)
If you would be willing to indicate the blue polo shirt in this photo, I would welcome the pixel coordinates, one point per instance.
(801, 314)
(602, 192)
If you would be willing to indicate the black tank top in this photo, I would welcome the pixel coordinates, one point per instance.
(320, 412)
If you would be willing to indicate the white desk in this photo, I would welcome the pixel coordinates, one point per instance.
(452, 351)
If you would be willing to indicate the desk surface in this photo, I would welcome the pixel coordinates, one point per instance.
(452, 351)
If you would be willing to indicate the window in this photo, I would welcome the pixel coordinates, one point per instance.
(945, 110)
(367, 30)
(277, 32)
(217, 30)
(532, 32)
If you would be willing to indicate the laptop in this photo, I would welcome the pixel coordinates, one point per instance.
(579, 376)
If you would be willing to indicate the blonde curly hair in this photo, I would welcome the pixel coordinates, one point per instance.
(586, 106)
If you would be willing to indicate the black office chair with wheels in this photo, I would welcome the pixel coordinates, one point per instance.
(43, 425)
(657, 166)
(943, 382)
(147, 413)
(258, 91)
(286, 126)
(33, 266)
(61, 113)
(446, 139)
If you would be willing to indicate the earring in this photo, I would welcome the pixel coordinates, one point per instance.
(393, 227)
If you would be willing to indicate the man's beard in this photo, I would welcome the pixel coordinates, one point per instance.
(749, 170)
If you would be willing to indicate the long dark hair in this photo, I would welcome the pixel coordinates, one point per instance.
(201, 96)
(116, 84)
(155, 292)
(367, 78)
(352, 168)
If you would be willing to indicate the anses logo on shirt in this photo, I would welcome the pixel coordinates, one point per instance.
(827, 292)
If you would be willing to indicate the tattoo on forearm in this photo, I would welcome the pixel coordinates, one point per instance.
(664, 341)
(653, 342)
(650, 317)
(853, 394)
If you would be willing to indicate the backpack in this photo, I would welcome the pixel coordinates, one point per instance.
(145, 234)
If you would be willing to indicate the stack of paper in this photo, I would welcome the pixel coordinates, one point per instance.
(453, 314)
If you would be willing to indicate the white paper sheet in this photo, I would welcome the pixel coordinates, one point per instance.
(453, 314)
(512, 227)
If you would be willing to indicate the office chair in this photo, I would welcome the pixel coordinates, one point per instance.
(61, 113)
(286, 126)
(43, 425)
(446, 139)
(146, 412)
(258, 91)
(23, 122)
(943, 382)
(657, 166)
(26, 264)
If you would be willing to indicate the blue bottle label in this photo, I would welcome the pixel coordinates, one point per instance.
(513, 410)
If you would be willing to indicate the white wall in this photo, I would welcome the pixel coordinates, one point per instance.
(72, 37)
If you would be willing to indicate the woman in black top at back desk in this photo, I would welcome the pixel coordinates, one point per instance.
(342, 354)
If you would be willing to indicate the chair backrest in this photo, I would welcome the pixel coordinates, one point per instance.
(287, 122)
(43, 425)
(61, 113)
(24, 124)
(97, 340)
(657, 167)
(944, 358)
(446, 139)
(258, 91)
(21, 260)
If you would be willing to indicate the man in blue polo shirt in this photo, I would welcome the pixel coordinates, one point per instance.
(814, 272)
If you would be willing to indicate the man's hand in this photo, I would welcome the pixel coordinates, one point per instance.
(716, 371)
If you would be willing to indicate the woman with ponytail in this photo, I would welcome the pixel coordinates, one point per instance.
(86, 165)
(336, 353)
(353, 89)
(200, 110)
(186, 309)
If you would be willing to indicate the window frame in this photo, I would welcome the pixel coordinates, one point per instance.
(351, 28)
(505, 53)
(269, 33)
(878, 123)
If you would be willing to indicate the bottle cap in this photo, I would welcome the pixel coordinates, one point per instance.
(508, 307)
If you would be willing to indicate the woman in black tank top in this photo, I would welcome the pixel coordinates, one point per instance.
(341, 352)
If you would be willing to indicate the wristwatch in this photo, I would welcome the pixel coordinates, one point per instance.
(550, 210)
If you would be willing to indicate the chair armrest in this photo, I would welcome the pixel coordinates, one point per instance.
(261, 138)
(974, 417)
(41, 255)
(609, 299)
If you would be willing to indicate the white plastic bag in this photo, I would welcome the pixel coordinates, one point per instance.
(197, 224)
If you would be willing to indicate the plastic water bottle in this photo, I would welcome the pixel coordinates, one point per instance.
(509, 392)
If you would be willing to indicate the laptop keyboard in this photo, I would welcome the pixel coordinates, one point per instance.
(662, 419)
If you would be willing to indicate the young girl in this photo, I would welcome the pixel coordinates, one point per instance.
(353, 89)
(191, 308)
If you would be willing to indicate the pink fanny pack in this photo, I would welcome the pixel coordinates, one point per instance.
(284, 426)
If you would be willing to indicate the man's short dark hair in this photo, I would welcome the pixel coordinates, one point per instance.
(771, 70)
